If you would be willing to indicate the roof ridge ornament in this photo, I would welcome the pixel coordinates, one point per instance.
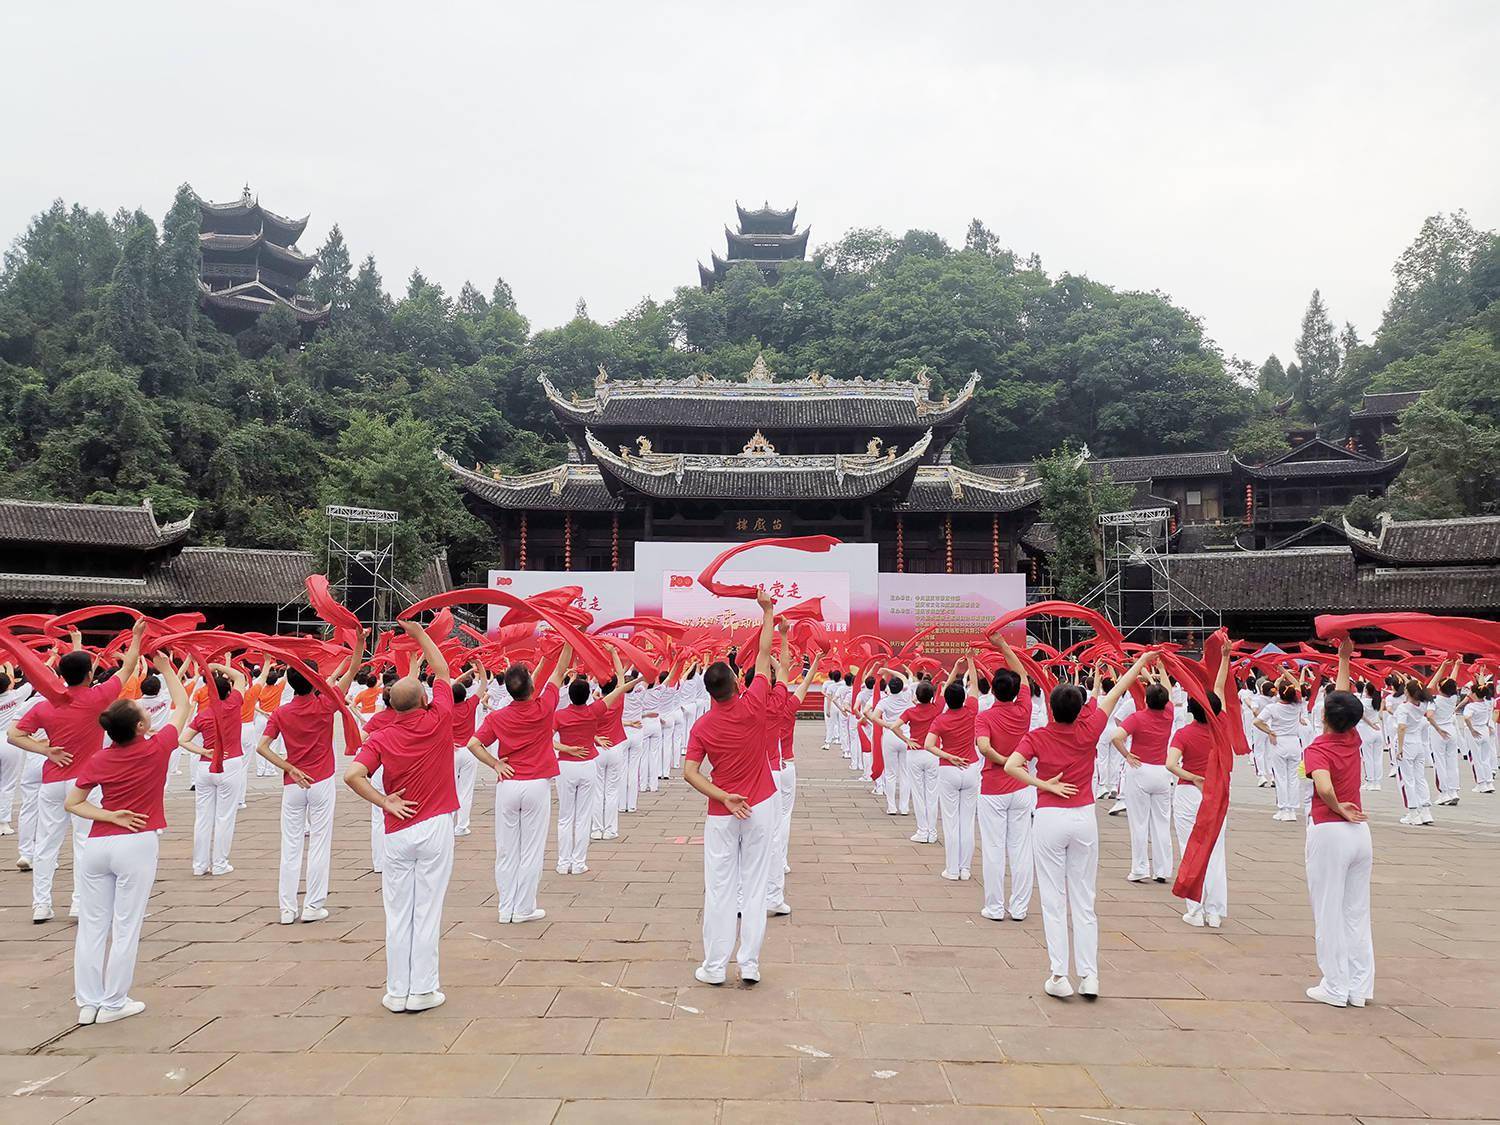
(602, 377)
(759, 446)
(759, 372)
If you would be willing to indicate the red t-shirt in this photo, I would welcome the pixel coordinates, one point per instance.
(72, 725)
(955, 732)
(203, 722)
(1338, 753)
(771, 733)
(524, 733)
(1067, 749)
(730, 736)
(382, 718)
(1149, 732)
(1003, 724)
(305, 727)
(464, 716)
(612, 723)
(786, 726)
(1195, 741)
(918, 719)
(134, 777)
(578, 726)
(416, 750)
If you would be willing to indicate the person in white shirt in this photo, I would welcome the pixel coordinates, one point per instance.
(1479, 723)
(896, 779)
(1371, 736)
(13, 696)
(1445, 705)
(1413, 754)
(833, 734)
(636, 696)
(1281, 721)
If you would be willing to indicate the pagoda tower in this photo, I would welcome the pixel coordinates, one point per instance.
(250, 263)
(766, 238)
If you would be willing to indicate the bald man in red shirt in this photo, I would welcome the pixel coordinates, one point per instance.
(742, 809)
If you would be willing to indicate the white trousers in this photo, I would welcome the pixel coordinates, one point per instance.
(635, 749)
(673, 739)
(576, 783)
(250, 739)
(216, 804)
(465, 773)
(1148, 808)
(1370, 746)
(11, 760)
(1483, 758)
(923, 767)
(736, 861)
(418, 863)
(377, 825)
(896, 776)
(52, 824)
(306, 814)
(117, 873)
(522, 810)
(1186, 800)
(1005, 834)
(1283, 759)
(832, 735)
(1412, 774)
(851, 740)
(786, 797)
(1067, 869)
(31, 796)
(1445, 763)
(611, 763)
(1340, 857)
(651, 756)
(958, 800)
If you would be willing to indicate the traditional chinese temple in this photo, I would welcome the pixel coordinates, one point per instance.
(250, 263)
(766, 238)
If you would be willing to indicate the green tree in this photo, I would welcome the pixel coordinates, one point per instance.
(1319, 361)
(1072, 501)
(177, 283)
(332, 281)
(127, 325)
(1260, 440)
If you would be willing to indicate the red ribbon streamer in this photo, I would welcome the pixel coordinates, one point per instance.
(709, 581)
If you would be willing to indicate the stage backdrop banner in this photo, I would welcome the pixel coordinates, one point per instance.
(608, 594)
(959, 604)
(666, 583)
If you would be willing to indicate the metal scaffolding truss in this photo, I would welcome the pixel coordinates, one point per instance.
(359, 558)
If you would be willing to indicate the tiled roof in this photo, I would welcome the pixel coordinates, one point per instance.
(760, 402)
(1386, 404)
(568, 487)
(1472, 539)
(1355, 465)
(756, 475)
(1126, 470)
(87, 525)
(1322, 579)
(948, 488)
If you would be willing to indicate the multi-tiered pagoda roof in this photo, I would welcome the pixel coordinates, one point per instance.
(250, 263)
(766, 238)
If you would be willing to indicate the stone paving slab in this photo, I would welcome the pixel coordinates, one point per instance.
(886, 997)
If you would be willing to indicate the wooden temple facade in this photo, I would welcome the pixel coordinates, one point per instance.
(249, 263)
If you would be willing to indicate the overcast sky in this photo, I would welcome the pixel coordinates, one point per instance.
(1232, 155)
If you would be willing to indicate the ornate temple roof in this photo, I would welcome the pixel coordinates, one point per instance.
(285, 259)
(760, 401)
(1386, 404)
(764, 247)
(88, 525)
(766, 219)
(949, 488)
(245, 215)
(1319, 458)
(1470, 539)
(255, 297)
(1129, 470)
(569, 487)
(758, 473)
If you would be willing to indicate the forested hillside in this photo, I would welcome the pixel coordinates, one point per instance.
(117, 387)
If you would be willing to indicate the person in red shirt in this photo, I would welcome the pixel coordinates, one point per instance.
(742, 810)
(73, 735)
(1187, 760)
(951, 738)
(118, 865)
(1340, 854)
(613, 741)
(525, 764)
(467, 695)
(921, 763)
(216, 796)
(304, 727)
(1006, 806)
(578, 727)
(781, 715)
(415, 751)
(1147, 786)
(1065, 832)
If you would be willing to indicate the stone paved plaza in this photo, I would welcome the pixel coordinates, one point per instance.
(886, 997)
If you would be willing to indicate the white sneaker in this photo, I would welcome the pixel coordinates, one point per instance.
(918, 838)
(461, 832)
(1359, 1001)
(87, 1015)
(950, 876)
(23, 863)
(1426, 817)
(288, 917)
(1323, 996)
(1138, 878)
(596, 835)
(564, 869)
(1117, 808)
(110, 1015)
(227, 869)
(703, 976)
(314, 913)
(964, 875)
(7, 830)
(786, 868)
(1476, 789)
(579, 869)
(535, 916)
(73, 909)
(1060, 987)
(749, 974)
(393, 1003)
(1213, 921)
(611, 835)
(421, 1001)
(40, 914)
(1088, 988)
(1193, 918)
(994, 914)
(781, 909)
(1375, 785)
(932, 837)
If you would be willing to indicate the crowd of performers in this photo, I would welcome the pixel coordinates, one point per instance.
(1021, 742)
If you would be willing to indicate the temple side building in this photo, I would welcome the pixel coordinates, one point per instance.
(250, 263)
(766, 238)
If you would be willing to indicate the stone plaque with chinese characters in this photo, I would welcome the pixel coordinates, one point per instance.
(756, 525)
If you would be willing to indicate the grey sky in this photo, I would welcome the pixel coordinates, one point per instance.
(1234, 156)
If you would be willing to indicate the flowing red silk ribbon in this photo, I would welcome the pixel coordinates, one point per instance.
(595, 660)
(1445, 634)
(709, 581)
